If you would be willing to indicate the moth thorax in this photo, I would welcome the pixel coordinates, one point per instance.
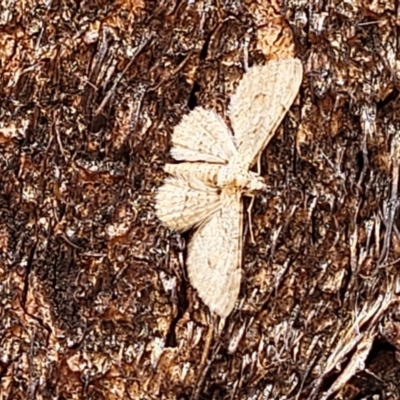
(248, 182)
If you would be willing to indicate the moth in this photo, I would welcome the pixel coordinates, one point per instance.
(205, 191)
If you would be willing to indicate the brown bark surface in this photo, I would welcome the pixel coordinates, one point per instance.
(94, 298)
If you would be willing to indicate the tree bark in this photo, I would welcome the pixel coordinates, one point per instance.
(95, 302)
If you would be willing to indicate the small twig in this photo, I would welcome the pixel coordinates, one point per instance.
(120, 76)
(393, 202)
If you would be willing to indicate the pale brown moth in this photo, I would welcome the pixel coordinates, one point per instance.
(206, 190)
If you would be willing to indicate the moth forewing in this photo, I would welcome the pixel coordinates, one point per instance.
(260, 102)
(203, 135)
(183, 204)
(205, 172)
(215, 255)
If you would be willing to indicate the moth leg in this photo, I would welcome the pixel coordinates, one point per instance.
(249, 208)
(259, 164)
(246, 51)
(252, 202)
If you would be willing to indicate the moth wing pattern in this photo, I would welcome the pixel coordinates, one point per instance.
(205, 172)
(182, 204)
(202, 135)
(215, 256)
(262, 98)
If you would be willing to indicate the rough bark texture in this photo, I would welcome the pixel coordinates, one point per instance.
(94, 297)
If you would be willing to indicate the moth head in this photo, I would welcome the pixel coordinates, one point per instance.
(255, 184)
